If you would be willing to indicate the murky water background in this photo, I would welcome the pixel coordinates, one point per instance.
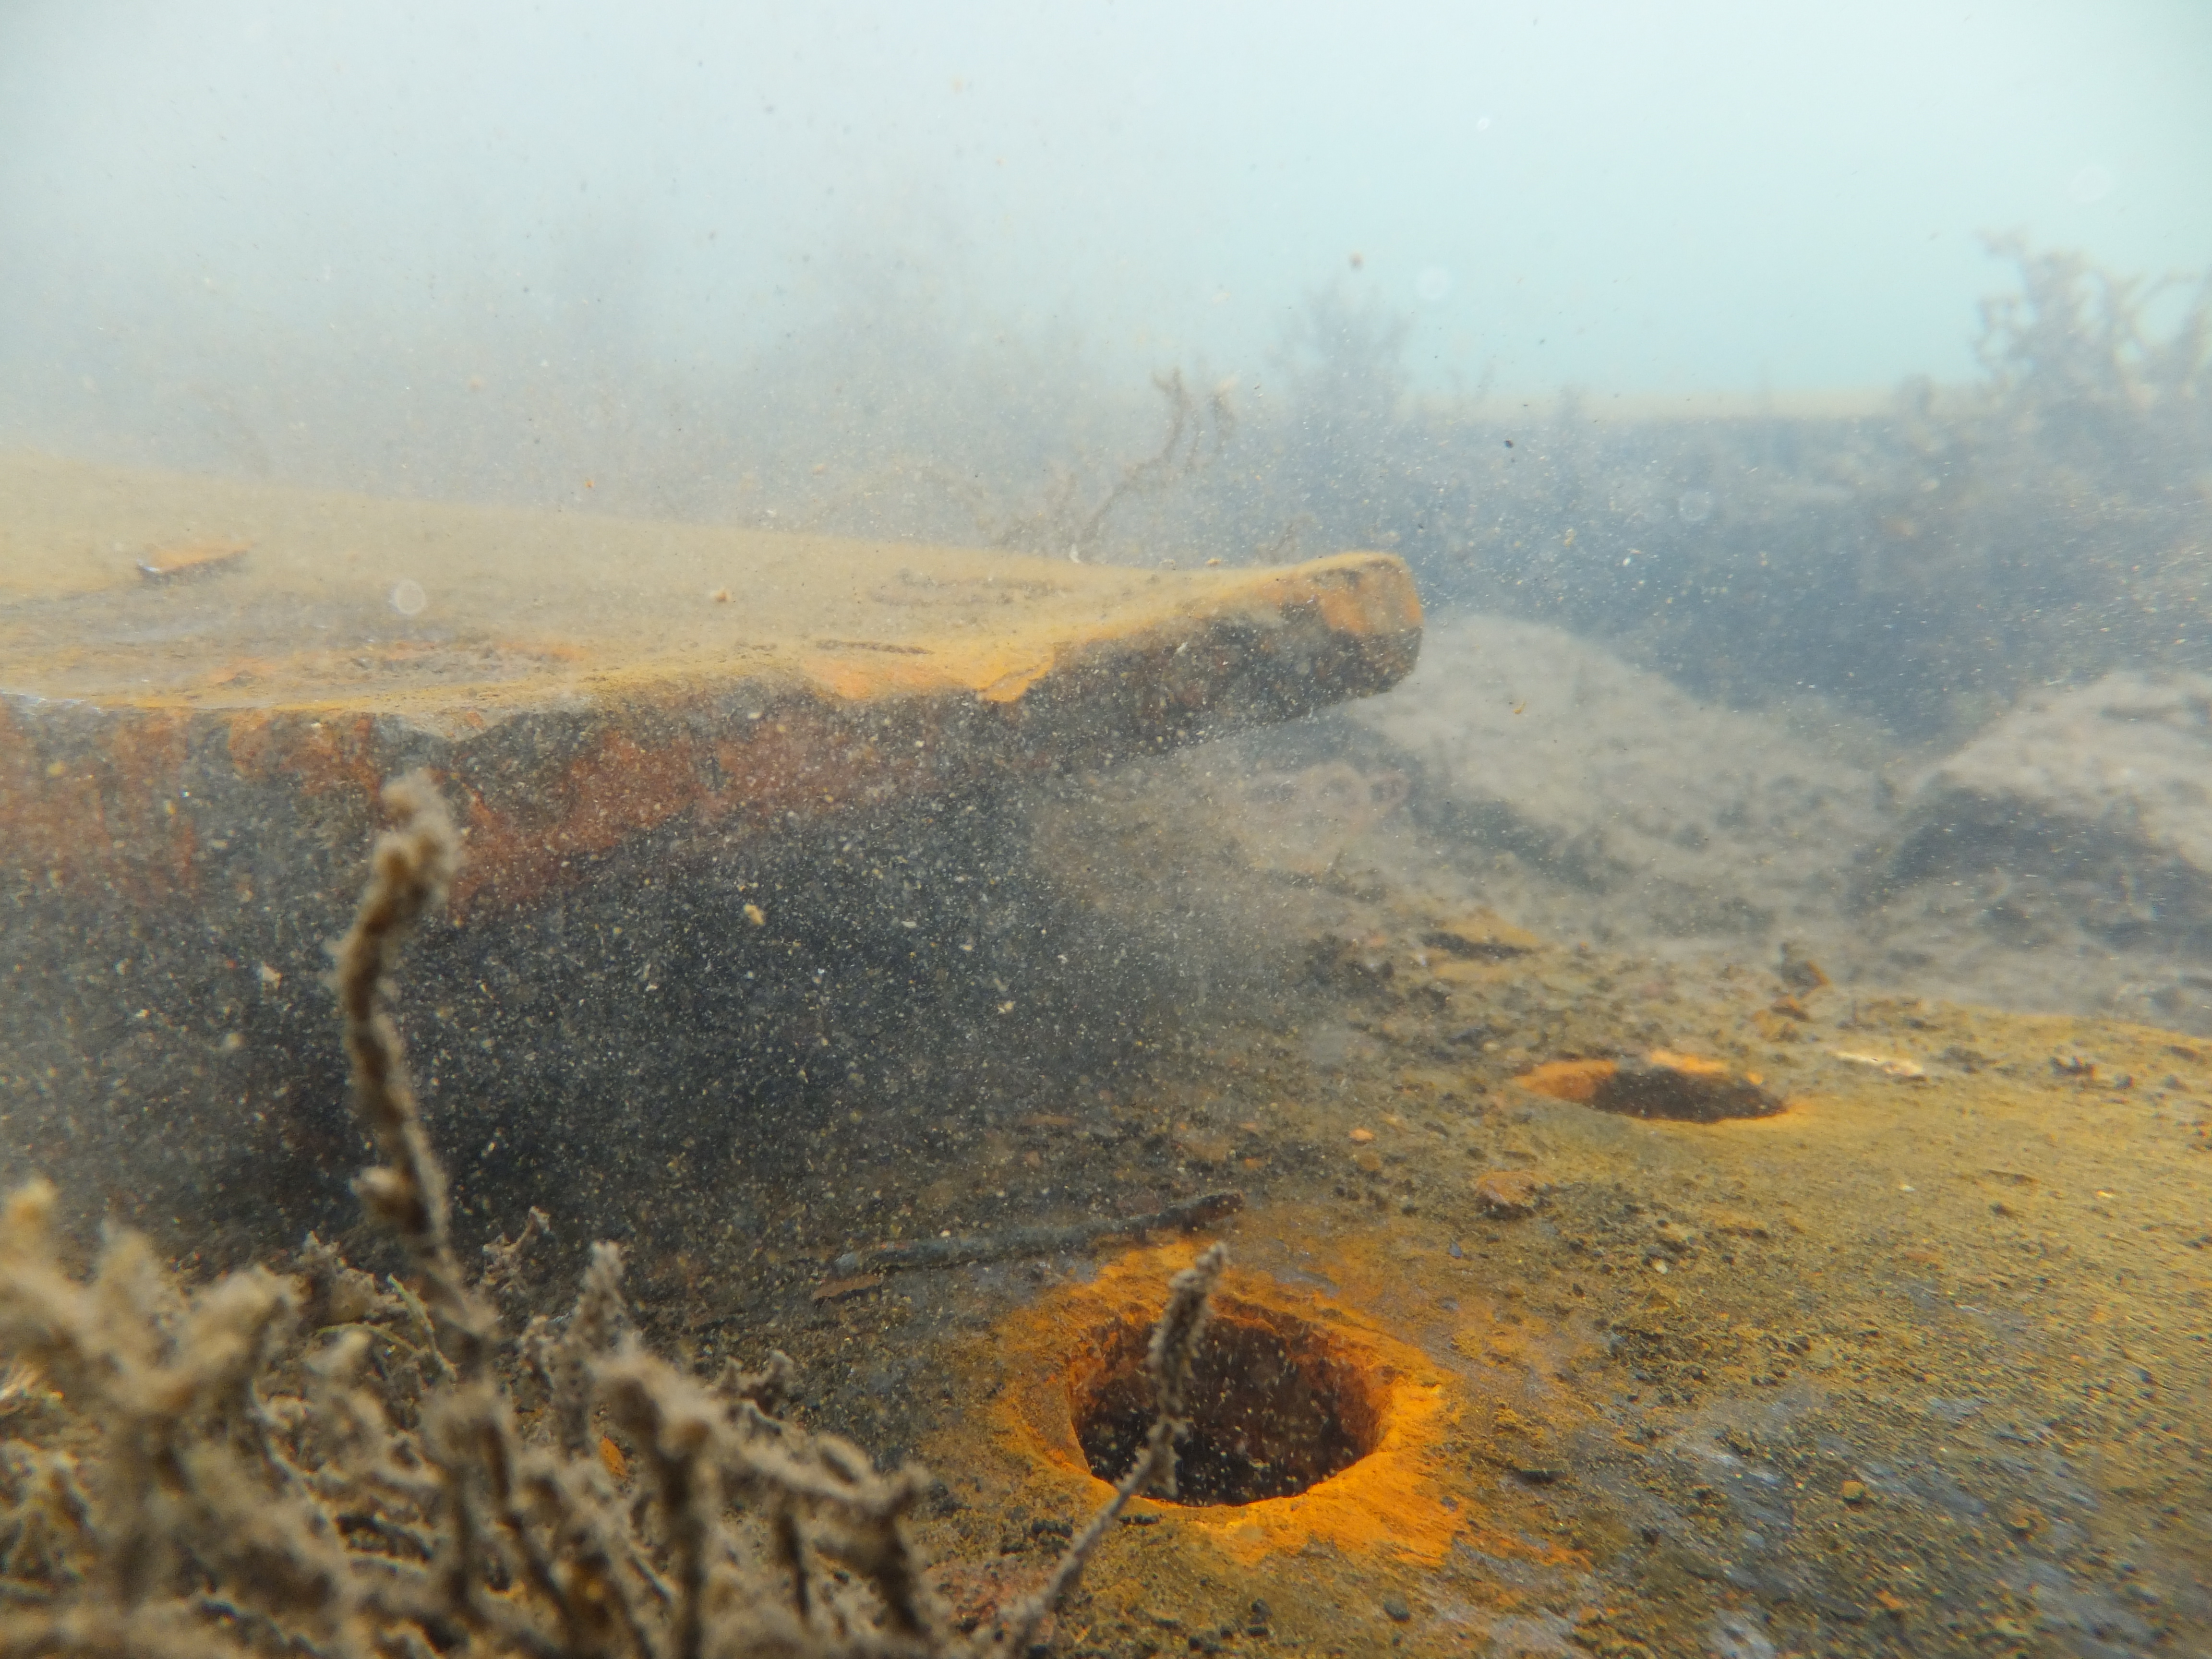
(1813, 709)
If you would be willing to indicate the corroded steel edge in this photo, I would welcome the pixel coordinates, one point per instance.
(147, 805)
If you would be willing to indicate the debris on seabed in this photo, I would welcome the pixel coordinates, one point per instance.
(1894, 1067)
(189, 561)
(1187, 1215)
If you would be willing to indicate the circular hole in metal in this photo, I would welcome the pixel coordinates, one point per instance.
(1682, 1094)
(1678, 1087)
(1274, 1409)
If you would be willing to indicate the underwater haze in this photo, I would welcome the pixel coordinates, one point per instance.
(728, 732)
(491, 250)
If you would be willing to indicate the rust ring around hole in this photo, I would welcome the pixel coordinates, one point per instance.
(1354, 1408)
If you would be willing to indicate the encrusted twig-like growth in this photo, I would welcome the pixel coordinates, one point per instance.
(411, 868)
(1170, 1360)
(369, 1493)
(186, 1490)
(1070, 520)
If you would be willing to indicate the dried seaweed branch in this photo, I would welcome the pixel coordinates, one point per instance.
(1070, 520)
(1181, 453)
(1170, 1360)
(411, 868)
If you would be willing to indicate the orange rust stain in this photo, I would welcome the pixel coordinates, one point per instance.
(251, 741)
(612, 1460)
(1578, 1080)
(1361, 595)
(1012, 674)
(338, 755)
(105, 815)
(1391, 1499)
(616, 788)
(1695, 1065)
(622, 785)
(1350, 603)
(997, 671)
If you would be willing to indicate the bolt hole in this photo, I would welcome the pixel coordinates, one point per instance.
(1274, 1408)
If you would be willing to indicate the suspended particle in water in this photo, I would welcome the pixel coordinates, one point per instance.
(1695, 505)
(1433, 283)
(408, 598)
